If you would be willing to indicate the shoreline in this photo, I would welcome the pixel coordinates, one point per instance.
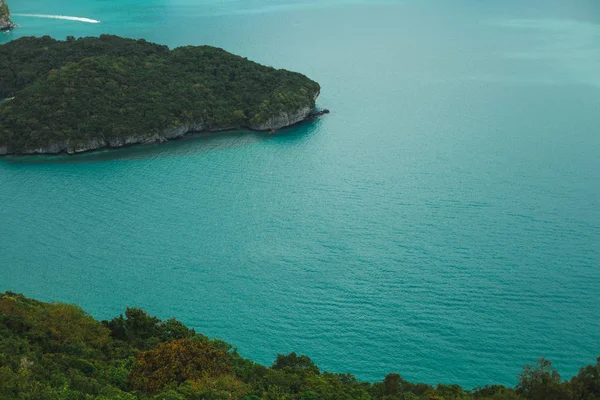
(169, 135)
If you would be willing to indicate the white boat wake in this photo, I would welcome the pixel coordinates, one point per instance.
(80, 19)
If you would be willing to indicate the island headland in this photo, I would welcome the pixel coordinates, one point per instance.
(5, 22)
(93, 93)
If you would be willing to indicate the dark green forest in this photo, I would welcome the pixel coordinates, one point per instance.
(109, 87)
(58, 351)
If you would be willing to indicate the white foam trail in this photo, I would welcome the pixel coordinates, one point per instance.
(80, 19)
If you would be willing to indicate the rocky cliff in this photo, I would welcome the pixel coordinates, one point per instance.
(66, 147)
(5, 22)
(284, 119)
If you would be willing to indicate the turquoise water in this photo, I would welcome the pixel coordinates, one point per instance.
(443, 222)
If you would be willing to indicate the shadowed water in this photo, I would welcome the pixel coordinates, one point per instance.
(442, 222)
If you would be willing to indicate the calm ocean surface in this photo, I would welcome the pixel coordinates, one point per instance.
(443, 222)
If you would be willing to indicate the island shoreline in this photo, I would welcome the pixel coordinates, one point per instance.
(153, 140)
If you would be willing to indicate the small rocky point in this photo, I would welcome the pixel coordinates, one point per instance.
(5, 23)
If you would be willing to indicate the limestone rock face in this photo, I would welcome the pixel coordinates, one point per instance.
(99, 143)
(286, 118)
(277, 122)
(5, 22)
(282, 120)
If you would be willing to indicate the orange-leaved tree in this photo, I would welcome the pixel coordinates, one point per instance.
(178, 361)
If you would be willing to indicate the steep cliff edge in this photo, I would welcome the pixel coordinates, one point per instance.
(91, 93)
(69, 147)
(5, 22)
(283, 119)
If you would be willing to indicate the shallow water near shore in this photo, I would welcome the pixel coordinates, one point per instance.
(442, 222)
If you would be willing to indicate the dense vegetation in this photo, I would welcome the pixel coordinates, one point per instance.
(110, 87)
(57, 351)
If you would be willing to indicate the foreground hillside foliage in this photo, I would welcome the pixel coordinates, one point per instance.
(57, 351)
(110, 87)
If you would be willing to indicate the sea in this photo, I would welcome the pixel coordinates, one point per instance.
(443, 222)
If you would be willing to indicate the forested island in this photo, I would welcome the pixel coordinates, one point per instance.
(104, 92)
(5, 22)
(56, 351)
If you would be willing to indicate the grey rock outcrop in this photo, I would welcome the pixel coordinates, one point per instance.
(99, 143)
(284, 119)
(5, 22)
